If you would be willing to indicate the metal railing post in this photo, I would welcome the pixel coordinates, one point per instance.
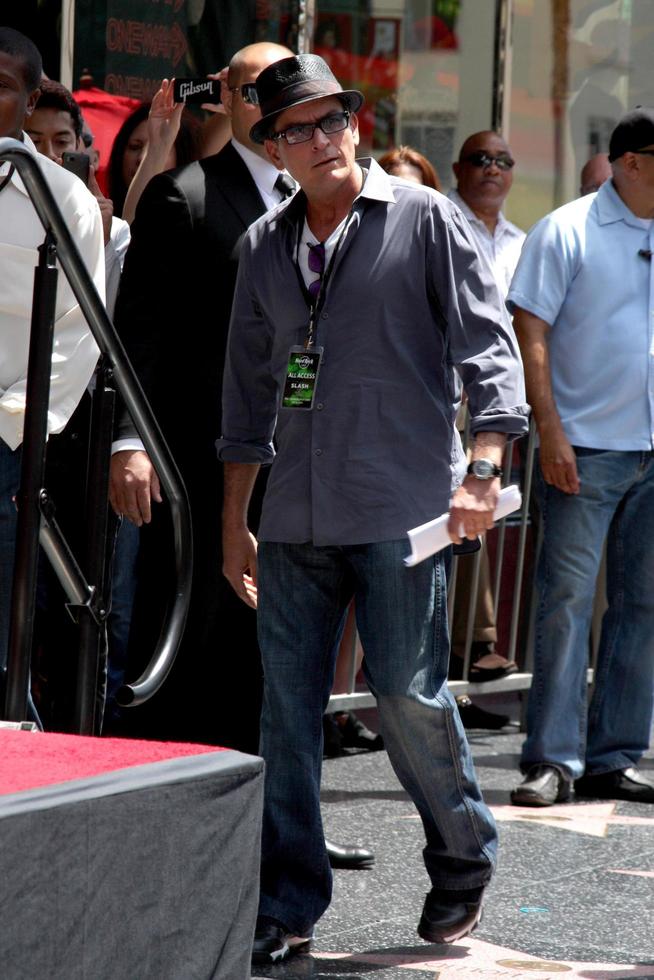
(35, 430)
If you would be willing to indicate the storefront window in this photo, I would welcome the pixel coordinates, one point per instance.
(577, 66)
(424, 66)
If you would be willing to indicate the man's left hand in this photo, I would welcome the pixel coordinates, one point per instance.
(472, 508)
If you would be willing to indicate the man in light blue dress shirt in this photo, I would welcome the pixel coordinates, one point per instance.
(583, 299)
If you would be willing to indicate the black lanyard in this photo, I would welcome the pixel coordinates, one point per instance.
(316, 305)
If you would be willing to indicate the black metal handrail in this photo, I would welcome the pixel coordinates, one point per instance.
(127, 383)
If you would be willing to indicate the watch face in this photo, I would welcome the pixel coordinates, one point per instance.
(483, 469)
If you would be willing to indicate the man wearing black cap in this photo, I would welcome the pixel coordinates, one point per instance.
(583, 297)
(353, 302)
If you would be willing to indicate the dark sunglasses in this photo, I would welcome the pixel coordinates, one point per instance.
(248, 92)
(482, 159)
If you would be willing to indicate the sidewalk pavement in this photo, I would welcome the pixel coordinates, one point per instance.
(573, 895)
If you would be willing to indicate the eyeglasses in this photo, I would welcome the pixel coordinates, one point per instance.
(645, 153)
(335, 122)
(482, 159)
(248, 92)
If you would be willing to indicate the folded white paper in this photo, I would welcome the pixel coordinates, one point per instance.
(432, 537)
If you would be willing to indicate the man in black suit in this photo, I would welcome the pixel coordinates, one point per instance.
(173, 315)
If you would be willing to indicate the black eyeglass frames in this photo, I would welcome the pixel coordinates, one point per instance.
(335, 122)
(482, 159)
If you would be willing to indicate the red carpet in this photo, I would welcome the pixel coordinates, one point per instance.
(29, 760)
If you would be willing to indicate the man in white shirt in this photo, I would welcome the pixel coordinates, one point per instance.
(21, 233)
(55, 127)
(484, 173)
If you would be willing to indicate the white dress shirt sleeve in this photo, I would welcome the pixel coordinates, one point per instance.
(75, 352)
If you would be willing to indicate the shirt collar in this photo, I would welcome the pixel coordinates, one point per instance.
(15, 178)
(611, 208)
(501, 226)
(376, 186)
(263, 172)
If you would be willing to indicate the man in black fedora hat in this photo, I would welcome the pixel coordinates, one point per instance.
(353, 302)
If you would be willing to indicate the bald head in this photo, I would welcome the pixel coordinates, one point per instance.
(251, 60)
(594, 172)
(244, 68)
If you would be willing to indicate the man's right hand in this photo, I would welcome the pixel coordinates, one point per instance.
(240, 563)
(557, 460)
(133, 485)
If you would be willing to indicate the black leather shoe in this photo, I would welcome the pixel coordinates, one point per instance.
(473, 716)
(450, 915)
(273, 942)
(620, 784)
(354, 858)
(542, 786)
(354, 733)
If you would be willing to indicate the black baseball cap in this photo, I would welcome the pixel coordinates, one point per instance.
(634, 131)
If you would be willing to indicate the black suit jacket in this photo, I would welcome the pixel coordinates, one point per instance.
(176, 293)
(173, 314)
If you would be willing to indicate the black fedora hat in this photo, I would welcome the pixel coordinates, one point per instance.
(292, 81)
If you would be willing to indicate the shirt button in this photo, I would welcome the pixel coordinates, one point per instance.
(317, 452)
(320, 406)
(325, 316)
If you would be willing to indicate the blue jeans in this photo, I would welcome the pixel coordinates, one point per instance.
(304, 592)
(123, 591)
(615, 503)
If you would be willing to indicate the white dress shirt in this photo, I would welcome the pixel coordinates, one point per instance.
(263, 173)
(114, 257)
(502, 249)
(75, 352)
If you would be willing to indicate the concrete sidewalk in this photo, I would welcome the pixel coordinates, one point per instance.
(573, 895)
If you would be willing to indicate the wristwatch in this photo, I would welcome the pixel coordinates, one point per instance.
(484, 469)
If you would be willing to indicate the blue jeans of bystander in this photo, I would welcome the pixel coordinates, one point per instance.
(615, 504)
(304, 592)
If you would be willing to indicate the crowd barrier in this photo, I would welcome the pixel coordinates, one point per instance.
(511, 547)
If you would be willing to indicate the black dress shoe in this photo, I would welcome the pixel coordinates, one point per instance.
(542, 786)
(273, 942)
(331, 737)
(450, 915)
(473, 716)
(620, 784)
(355, 735)
(354, 858)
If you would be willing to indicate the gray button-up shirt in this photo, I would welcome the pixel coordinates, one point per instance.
(407, 301)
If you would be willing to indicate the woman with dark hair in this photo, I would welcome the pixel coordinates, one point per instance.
(163, 133)
(406, 162)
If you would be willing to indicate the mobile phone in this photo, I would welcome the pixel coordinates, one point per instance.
(78, 164)
(196, 90)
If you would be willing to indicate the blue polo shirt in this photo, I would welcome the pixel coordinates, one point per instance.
(580, 270)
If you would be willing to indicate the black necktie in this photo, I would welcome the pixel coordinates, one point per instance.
(285, 185)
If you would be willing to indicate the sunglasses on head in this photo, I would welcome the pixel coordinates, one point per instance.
(248, 92)
(482, 159)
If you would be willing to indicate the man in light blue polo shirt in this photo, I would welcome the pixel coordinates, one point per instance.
(583, 299)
